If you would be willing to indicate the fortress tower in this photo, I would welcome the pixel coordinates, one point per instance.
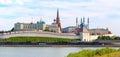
(56, 25)
(58, 21)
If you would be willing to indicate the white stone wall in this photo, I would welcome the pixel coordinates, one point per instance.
(109, 35)
(85, 37)
(93, 37)
(40, 34)
(54, 28)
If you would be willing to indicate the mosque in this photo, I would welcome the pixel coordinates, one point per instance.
(88, 35)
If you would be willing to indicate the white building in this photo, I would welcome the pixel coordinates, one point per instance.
(40, 25)
(54, 27)
(88, 35)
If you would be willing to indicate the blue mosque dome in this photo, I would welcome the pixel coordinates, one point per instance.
(38, 22)
(43, 22)
(81, 25)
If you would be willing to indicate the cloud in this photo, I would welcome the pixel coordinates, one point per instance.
(101, 12)
(6, 2)
(12, 2)
(19, 2)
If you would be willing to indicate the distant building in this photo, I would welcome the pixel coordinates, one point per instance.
(56, 25)
(70, 29)
(40, 25)
(87, 34)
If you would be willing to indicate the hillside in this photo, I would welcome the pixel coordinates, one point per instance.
(104, 52)
(114, 54)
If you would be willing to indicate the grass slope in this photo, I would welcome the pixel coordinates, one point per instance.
(36, 39)
(114, 54)
(95, 53)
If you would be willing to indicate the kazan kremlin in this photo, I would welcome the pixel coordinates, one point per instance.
(82, 30)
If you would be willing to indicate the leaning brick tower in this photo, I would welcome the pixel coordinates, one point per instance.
(58, 20)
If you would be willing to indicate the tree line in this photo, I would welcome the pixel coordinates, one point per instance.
(108, 38)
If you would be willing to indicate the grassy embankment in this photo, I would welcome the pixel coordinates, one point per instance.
(104, 52)
(114, 54)
(36, 39)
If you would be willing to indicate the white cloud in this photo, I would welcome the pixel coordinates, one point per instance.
(6, 2)
(5, 24)
(98, 11)
(12, 2)
(20, 2)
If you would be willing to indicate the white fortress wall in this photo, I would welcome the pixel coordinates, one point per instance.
(42, 34)
(93, 37)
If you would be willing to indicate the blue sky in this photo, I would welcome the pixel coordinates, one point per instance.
(102, 13)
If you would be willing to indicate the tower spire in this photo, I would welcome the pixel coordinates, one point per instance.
(58, 20)
(88, 22)
(32, 19)
(58, 14)
(41, 20)
(83, 20)
(76, 21)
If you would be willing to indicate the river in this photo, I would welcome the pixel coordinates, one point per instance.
(39, 51)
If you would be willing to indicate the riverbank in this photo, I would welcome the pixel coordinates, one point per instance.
(96, 53)
(59, 46)
(114, 54)
(28, 41)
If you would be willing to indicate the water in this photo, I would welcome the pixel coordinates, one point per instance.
(39, 51)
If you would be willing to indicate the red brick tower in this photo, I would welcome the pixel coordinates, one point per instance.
(58, 21)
